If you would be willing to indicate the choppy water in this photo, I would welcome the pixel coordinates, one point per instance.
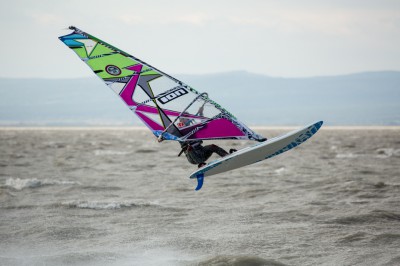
(108, 197)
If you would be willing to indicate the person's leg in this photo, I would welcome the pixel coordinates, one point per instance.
(210, 149)
(232, 150)
(205, 153)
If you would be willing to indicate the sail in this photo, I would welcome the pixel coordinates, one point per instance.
(168, 107)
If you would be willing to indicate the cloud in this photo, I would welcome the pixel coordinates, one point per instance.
(326, 21)
(46, 18)
(197, 19)
(131, 19)
(293, 20)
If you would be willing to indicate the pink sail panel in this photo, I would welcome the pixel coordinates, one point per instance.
(129, 88)
(149, 122)
(219, 128)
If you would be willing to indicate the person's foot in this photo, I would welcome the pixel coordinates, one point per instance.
(232, 150)
(201, 165)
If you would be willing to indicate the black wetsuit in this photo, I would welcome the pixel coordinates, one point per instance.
(198, 154)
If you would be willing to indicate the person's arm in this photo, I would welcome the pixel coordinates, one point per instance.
(201, 110)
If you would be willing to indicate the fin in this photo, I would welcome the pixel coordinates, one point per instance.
(200, 180)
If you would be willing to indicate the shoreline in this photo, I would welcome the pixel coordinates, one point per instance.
(139, 128)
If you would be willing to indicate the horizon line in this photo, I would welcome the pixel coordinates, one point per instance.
(225, 72)
(138, 128)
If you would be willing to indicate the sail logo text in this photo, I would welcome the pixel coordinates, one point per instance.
(172, 95)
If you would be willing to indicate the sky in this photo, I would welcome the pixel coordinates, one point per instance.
(276, 38)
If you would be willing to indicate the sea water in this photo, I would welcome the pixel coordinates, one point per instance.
(117, 197)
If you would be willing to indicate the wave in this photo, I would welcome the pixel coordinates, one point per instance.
(394, 261)
(381, 153)
(103, 205)
(113, 152)
(356, 237)
(380, 239)
(239, 261)
(386, 239)
(101, 188)
(280, 170)
(110, 152)
(62, 258)
(375, 216)
(19, 184)
(346, 155)
(367, 172)
(19, 207)
(387, 152)
(145, 151)
(119, 205)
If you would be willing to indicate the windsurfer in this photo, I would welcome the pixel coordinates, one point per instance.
(184, 121)
(198, 154)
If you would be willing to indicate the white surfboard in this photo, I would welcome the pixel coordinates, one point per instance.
(256, 153)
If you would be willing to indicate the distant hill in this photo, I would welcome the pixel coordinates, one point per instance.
(369, 98)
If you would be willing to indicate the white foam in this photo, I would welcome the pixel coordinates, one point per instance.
(101, 205)
(280, 170)
(346, 155)
(19, 184)
(387, 152)
(109, 152)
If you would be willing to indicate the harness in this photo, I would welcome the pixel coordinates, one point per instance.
(193, 151)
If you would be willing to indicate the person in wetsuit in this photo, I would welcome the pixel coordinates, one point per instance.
(195, 152)
(198, 154)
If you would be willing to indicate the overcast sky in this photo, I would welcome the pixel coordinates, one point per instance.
(276, 38)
